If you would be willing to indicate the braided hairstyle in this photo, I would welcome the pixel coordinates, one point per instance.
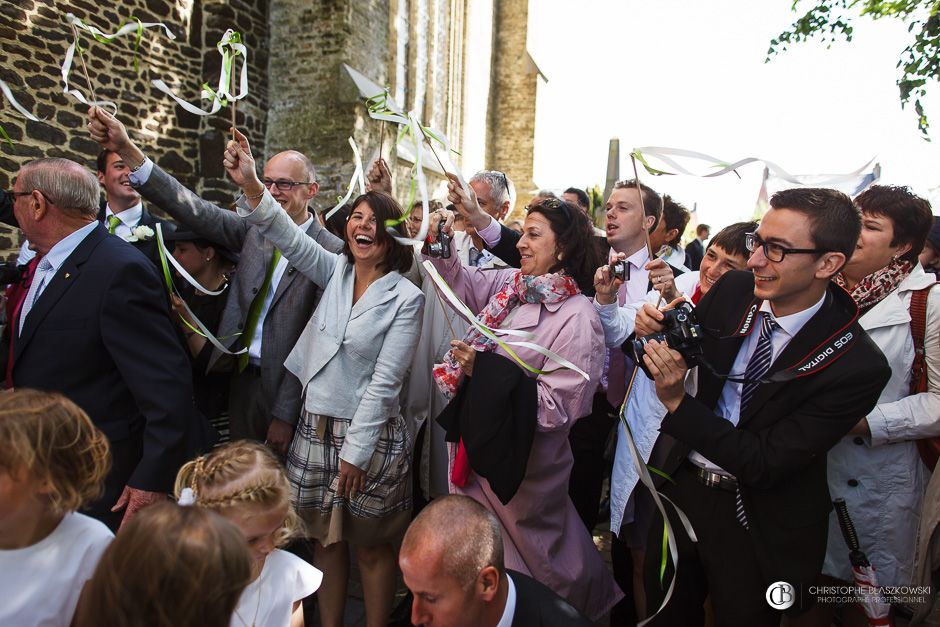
(240, 474)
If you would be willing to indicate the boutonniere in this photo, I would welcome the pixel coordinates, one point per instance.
(140, 234)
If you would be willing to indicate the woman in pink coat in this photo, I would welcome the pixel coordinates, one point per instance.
(542, 533)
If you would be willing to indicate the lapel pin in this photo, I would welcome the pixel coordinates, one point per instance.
(68, 274)
(290, 270)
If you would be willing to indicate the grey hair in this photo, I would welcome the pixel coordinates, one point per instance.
(66, 184)
(501, 187)
(465, 534)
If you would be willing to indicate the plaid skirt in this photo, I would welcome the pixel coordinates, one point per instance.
(380, 513)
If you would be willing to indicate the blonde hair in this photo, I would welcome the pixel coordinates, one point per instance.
(196, 566)
(239, 474)
(49, 437)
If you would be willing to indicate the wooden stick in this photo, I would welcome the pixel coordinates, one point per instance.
(81, 57)
(639, 195)
(427, 138)
(382, 139)
(231, 89)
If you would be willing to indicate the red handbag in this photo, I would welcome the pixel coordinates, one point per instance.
(929, 448)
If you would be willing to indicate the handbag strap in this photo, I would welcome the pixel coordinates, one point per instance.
(918, 311)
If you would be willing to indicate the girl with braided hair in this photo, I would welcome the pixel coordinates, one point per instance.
(245, 483)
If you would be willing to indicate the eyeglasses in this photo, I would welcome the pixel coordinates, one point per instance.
(776, 252)
(552, 203)
(13, 195)
(281, 184)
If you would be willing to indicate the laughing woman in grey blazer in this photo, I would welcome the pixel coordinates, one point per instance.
(349, 462)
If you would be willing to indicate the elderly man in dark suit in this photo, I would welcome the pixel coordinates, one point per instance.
(94, 326)
(452, 561)
(747, 451)
(270, 302)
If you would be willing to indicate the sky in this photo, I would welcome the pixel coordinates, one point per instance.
(691, 74)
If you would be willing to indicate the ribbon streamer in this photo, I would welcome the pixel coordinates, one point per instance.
(16, 105)
(358, 175)
(137, 27)
(489, 332)
(666, 155)
(647, 480)
(171, 287)
(230, 46)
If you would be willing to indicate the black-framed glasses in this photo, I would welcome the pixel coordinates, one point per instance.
(551, 203)
(282, 184)
(776, 252)
(13, 195)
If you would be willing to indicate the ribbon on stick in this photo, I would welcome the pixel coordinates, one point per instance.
(230, 47)
(669, 539)
(137, 27)
(18, 107)
(358, 176)
(668, 156)
(200, 328)
(464, 312)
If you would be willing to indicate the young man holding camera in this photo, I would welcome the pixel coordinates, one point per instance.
(790, 372)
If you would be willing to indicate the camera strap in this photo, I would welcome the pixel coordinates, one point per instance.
(822, 356)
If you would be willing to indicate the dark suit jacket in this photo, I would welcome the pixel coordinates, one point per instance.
(294, 299)
(537, 606)
(100, 333)
(147, 246)
(778, 449)
(694, 253)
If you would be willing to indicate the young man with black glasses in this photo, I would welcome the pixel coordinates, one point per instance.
(747, 452)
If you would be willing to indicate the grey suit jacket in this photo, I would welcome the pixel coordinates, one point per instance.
(363, 350)
(295, 297)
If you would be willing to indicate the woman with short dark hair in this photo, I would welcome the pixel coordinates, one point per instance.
(349, 462)
(512, 423)
(876, 468)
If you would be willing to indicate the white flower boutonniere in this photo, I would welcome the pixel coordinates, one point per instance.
(140, 234)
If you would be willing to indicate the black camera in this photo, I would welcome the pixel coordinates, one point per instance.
(681, 332)
(440, 248)
(620, 270)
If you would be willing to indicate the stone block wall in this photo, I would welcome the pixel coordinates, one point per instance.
(34, 37)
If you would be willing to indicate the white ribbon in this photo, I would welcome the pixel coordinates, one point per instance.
(187, 497)
(357, 175)
(464, 312)
(231, 41)
(9, 96)
(179, 268)
(130, 27)
(665, 155)
(647, 480)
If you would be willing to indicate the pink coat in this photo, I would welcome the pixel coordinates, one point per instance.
(542, 533)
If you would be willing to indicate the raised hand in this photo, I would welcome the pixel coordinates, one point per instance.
(466, 205)
(240, 165)
(663, 279)
(379, 178)
(606, 285)
(109, 133)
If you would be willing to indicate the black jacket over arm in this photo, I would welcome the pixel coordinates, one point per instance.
(506, 248)
(778, 450)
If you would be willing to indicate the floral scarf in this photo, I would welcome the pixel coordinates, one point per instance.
(872, 289)
(522, 288)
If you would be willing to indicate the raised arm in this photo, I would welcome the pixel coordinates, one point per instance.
(164, 191)
(259, 207)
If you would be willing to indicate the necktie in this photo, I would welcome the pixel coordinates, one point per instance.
(618, 365)
(113, 223)
(757, 367)
(254, 310)
(39, 279)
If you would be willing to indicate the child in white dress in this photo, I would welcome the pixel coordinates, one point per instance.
(52, 461)
(244, 482)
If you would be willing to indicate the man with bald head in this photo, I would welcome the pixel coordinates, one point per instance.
(95, 327)
(269, 303)
(452, 561)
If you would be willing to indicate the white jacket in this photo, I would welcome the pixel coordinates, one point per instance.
(882, 478)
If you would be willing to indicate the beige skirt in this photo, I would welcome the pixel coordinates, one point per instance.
(380, 513)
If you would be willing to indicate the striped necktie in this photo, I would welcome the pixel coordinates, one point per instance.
(757, 367)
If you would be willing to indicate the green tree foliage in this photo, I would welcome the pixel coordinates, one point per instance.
(831, 20)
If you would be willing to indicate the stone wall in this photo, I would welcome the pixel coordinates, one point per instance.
(33, 40)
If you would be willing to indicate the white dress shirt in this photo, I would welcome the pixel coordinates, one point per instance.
(510, 610)
(130, 218)
(618, 320)
(729, 404)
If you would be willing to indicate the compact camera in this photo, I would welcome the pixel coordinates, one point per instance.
(440, 248)
(620, 270)
(681, 332)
